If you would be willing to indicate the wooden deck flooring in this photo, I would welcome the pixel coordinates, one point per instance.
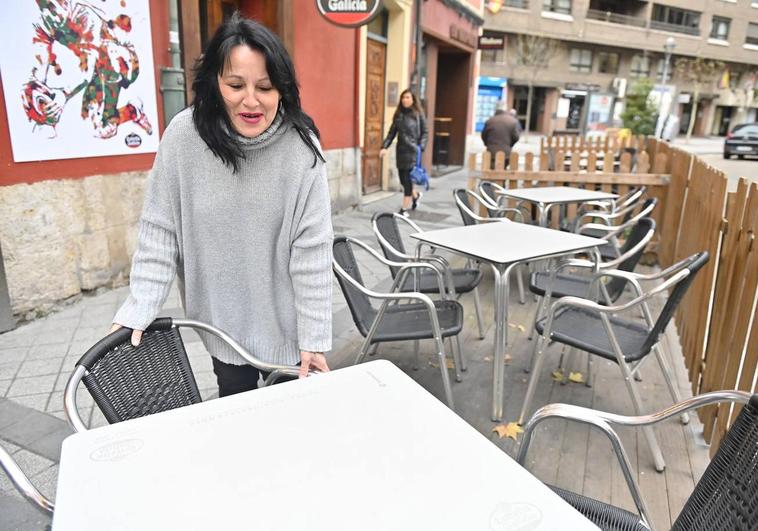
(564, 454)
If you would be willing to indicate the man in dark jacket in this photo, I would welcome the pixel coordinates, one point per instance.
(500, 133)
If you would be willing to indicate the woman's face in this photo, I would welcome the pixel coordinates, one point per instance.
(249, 97)
(407, 100)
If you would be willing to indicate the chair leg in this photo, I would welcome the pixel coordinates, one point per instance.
(415, 354)
(530, 368)
(445, 375)
(464, 367)
(568, 358)
(478, 308)
(364, 350)
(456, 360)
(652, 442)
(520, 281)
(374, 349)
(588, 381)
(540, 345)
(537, 314)
(668, 376)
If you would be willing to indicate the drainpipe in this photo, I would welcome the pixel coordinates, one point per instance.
(357, 105)
(416, 82)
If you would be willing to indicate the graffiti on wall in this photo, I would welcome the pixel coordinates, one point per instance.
(81, 83)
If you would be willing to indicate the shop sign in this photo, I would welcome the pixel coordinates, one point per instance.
(492, 40)
(461, 35)
(586, 87)
(348, 13)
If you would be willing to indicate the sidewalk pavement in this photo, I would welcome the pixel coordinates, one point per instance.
(37, 358)
(706, 145)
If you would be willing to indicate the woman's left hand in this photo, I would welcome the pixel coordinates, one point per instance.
(312, 360)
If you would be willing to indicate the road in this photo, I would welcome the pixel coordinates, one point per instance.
(734, 168)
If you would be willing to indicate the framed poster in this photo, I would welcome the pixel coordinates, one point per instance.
(78, 80)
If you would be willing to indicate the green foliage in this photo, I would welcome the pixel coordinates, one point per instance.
(639, 114)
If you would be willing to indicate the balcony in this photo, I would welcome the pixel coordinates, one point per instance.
(616, 18)
(675, 28)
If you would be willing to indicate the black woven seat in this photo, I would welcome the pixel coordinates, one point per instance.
(577, 285)
(464, 281)
(606, 517)
(402, 322)
(583, 329)
(128, 382)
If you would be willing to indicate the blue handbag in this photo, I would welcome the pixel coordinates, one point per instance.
(418, 173)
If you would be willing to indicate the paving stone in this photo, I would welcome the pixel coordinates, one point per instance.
(49, 446)
(9, 369)
(19, 515)
(20, 337)
(12, 354)
(48, 350)
(47, 481)
(89, 334)
(32, 386)
(39, 367)
(37, 402)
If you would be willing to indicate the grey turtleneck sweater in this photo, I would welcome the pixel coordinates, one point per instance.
(252, 249)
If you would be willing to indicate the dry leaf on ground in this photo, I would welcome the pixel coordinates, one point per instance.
(558, 376)
(511, 430)
(576, 377)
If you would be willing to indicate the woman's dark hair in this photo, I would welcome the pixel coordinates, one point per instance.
(415, 106)
(209, 113)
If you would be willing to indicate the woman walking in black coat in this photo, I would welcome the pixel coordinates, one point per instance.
(409, 124)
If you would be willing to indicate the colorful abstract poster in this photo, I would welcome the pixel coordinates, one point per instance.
(78, 78)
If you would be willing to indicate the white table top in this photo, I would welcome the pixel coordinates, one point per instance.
(507, 242)
(557, 194)
(360, 448)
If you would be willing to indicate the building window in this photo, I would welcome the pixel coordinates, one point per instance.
(640, 66)
(608, 63)
(557, 6)
(752, 34)
(492, 56)
(580, 60)
(720, 28)
(520, 4)
(675, 19)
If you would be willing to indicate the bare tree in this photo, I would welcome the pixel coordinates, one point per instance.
(701, 73)
(533, 54)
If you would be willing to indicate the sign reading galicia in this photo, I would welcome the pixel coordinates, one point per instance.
(348, 13)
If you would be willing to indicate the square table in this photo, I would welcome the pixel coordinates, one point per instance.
(504, 245)
(547, 197)
(362, 448)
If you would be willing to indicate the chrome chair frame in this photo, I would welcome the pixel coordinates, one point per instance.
(672, 275)
(394, 295)
(23, 485)
(275, 371)
(440, 260)
(604, 422)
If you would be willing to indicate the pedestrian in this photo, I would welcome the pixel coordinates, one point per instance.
(500, 133)
(409, 125)
(237, 206)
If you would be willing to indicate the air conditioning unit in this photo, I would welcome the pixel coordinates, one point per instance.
(619, 86)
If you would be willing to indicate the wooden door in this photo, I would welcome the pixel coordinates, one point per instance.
(213, 13)
(372, 140)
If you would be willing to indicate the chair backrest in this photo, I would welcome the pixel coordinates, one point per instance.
(128, 382)
(726, 497)
(638, 233)
(488, 191)
(461, 200)
(386, 225)
(693, 263)
(360, 305)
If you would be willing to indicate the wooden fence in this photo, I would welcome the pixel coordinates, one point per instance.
(716, 321)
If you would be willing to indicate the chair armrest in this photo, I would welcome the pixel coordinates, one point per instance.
(604, 421)
(23, 485)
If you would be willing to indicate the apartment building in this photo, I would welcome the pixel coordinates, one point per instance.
(600, 48)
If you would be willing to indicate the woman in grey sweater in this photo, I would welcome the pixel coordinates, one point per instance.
(237, 207)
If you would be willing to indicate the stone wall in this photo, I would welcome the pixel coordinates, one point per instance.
(60, 238)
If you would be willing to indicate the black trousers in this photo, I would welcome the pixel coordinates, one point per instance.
(233, 379)
(405, 180)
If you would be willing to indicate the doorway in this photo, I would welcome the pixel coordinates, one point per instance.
(376, 53)
(451, 107)
(521, 104)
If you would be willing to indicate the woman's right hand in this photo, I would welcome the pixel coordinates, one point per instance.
(136, 334)
(382, 152)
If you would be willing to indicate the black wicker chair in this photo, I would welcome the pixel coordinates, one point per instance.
(725, 498)
(420, 318)
(128, 382)
(491, 193)
(612, 233)
(598, 330)
(458, 280)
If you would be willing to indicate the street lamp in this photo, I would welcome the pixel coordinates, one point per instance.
(668, 48)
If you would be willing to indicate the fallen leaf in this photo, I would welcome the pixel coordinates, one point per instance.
(508, 358)
(520, 328)
(488, 359)
(450, 364)
(576, 377)
(511, 430)
(558, 376)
